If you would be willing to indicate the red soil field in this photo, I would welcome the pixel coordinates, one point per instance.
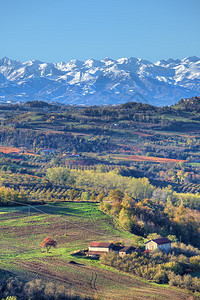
(31, 154)
(5, 149)
(153, 159)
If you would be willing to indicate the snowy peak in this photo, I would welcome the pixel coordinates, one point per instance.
(168, 63)
(191, 59)
(5, 61)
(105, 81)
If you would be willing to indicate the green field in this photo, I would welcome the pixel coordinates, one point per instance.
(73, 226)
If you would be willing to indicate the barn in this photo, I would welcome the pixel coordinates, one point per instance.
(96, 249)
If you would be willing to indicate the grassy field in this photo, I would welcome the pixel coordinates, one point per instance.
(73, 226)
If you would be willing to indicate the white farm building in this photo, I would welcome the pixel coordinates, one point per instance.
(160, 244)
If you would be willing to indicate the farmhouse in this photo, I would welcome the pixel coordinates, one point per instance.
(160, 244)
(96, 249)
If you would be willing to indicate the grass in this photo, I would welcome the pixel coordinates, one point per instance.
(193, 164)
(179, 118)
(73, 226)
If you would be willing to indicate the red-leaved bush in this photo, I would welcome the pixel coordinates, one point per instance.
(48, 243)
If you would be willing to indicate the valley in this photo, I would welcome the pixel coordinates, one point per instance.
(125, 174)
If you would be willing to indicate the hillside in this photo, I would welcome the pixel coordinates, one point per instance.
(159, 143)
(73, 225)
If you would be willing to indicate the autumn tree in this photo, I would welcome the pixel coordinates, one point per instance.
(127, 202)
(125, 220)
(85, 196)
(154, 235)
(59, 175)
(100, 197)
(139, 240)
(48, 243)
(115, 195)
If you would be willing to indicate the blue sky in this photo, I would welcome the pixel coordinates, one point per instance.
(62, 30)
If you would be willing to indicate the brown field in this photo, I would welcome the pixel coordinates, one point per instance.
(95, 282)
(8, 150)
(31, 154)
(151, 159)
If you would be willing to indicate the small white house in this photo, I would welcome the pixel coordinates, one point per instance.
(160, 244)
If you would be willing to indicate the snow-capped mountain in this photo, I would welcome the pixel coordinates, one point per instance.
(100, 82)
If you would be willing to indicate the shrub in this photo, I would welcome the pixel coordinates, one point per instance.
(48, 243)
(161, 277)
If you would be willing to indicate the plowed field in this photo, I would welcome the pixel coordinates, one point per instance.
(5, 149)
(151, 159)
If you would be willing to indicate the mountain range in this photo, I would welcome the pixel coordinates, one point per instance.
(100, 82)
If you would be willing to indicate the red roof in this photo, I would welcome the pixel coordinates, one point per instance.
(101, 244)
(160, 241)
(94, 244)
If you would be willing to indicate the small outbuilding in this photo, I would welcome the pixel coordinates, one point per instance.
(126, 250)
